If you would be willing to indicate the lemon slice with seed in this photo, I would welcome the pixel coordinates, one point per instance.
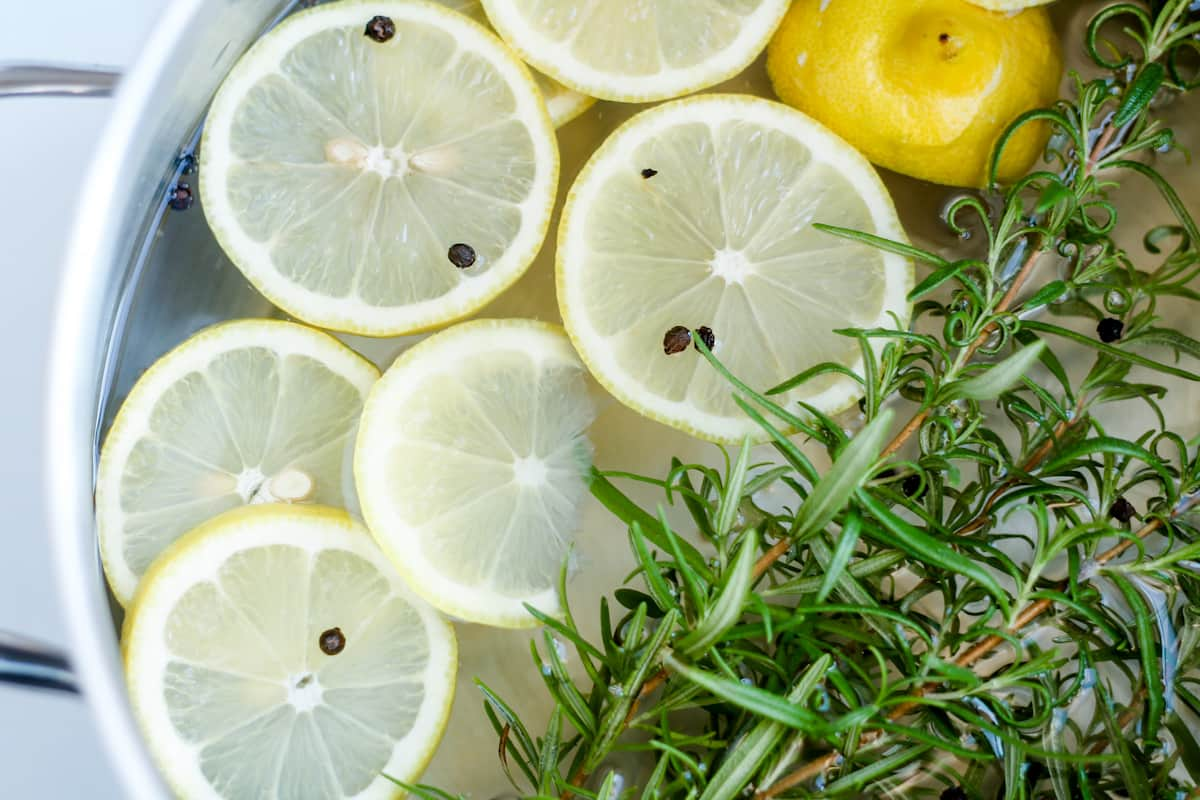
(637, 50)
(253, 411)
(379, 167)
(698, 215)
(471, 467)
(563, 104)
(273, 652)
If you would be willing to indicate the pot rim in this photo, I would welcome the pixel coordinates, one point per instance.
(76, 357)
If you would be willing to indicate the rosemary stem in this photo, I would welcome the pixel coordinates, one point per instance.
(576, 781)
(1127, 716)
(1006, 302)
(768, 559)
(905, 433)
(655, 680)
(652, 683)
(972, 655)
(1101, 145)
(1030, 464)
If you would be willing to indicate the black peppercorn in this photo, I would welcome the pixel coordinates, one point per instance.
(181, 197)
(705, 334)
(380, 29)
(1110, 329)
(332, 641)
(676, 340)
(954, 793)
(649, 173)
(462, 255)
(1122, 510)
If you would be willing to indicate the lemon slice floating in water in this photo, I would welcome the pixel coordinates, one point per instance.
(379, 168)
(563, 104)
(471, 467)
(699, 214)
(244, 412)
(273, 652)
(637, 50)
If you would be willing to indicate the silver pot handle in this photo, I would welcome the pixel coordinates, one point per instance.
(56, 80)
(28, 663)
(24, 662)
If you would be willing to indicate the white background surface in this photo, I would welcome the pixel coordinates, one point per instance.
(49, 747)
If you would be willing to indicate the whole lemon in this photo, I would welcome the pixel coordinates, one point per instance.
(922, 87)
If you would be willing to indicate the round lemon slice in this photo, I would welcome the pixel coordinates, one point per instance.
(472, 463)
(273, 652)
(379, 168)
(637, 50)
(695, 219)
(563, 104)
(245, 412)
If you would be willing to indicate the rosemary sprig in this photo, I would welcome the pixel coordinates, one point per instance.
(974, 600)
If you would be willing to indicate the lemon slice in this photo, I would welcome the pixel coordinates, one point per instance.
(699, 214)
(244, 412)
(637, 50)
(471, 467)
(563, 104)
(273, 652)
(379, 184)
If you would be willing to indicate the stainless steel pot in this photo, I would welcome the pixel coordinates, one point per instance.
(133, 287)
